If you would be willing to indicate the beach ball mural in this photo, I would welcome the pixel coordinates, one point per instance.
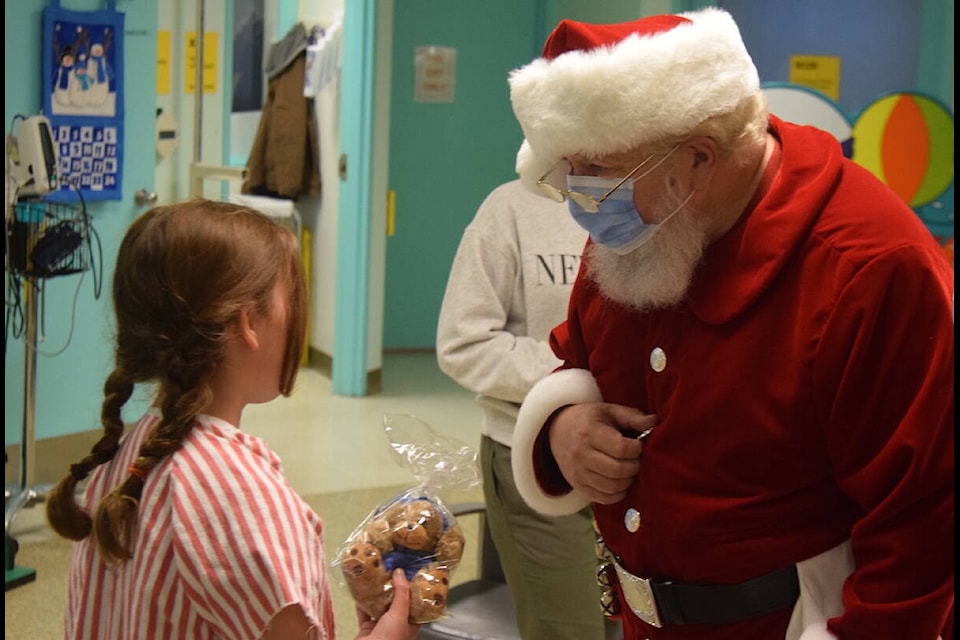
(906, 140)
(803, 105)
(903, 138)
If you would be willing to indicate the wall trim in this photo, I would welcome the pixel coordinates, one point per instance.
(323, 363)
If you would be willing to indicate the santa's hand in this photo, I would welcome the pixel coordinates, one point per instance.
(597, 449)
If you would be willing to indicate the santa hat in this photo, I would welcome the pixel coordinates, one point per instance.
(603, 89)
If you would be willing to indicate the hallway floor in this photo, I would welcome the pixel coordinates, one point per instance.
(335, 454)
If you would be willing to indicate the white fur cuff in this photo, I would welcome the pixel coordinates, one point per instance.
(821, 593)
(559, 389)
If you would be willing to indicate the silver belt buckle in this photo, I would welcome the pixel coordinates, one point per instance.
(639, 595)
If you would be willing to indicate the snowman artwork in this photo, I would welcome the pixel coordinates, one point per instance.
(65, 78)
(98, 72)
(80, 89)
(82, 78)
(62, 76)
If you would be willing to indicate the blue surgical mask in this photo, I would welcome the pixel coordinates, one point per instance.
(617, 225)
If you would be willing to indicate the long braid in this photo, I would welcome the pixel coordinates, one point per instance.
(64, 514)
(183, 394)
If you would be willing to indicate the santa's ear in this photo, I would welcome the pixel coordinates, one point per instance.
(700, 155)
(704, 150)
(247, 333)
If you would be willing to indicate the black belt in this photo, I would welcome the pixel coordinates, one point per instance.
(663, 602)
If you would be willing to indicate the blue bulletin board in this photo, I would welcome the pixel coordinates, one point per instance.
(83, 98)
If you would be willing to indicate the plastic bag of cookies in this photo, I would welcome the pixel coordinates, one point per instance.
(414, 530)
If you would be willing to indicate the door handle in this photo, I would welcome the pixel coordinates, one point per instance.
(143, 197)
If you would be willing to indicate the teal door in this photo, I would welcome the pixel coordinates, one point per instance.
(446, 156)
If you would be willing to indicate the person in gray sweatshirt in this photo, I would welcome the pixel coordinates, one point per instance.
(508, 287)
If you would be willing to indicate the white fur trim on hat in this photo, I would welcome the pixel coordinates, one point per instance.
(642, 89)
(559, 389)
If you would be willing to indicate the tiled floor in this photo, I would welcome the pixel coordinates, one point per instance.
(334, 443)
(335, 454)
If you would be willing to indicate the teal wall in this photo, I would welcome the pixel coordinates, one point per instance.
(75, 351)
(445, 157)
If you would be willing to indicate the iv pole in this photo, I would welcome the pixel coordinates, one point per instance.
(31, 231)
(28, 494)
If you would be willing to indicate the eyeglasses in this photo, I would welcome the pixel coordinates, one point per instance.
(589, 203)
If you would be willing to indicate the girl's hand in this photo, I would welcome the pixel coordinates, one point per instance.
(393, 624)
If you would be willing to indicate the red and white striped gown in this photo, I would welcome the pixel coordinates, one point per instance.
(223, 544)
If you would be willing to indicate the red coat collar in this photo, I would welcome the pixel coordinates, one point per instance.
(743, 263)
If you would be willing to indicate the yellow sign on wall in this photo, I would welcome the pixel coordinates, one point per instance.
(209, 62)
(163, 63)
(817, 72)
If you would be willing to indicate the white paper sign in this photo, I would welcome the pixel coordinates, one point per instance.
(434, 74)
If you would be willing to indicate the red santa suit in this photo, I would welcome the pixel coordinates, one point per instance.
(804, 391)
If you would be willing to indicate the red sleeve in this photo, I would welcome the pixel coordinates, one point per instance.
(884, 373)
(566, 339)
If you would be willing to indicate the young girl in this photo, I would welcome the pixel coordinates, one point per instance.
(188, 527)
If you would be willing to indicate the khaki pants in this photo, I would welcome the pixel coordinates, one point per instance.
(550, 562)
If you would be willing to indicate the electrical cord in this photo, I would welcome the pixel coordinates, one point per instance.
(14, 319)
(95, 264)
(86, 256)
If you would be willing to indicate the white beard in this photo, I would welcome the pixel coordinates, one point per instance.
(658, 273)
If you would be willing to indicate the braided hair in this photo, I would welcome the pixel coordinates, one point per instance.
(184, 274)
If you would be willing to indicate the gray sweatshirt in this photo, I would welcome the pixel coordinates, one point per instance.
(508, 287)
